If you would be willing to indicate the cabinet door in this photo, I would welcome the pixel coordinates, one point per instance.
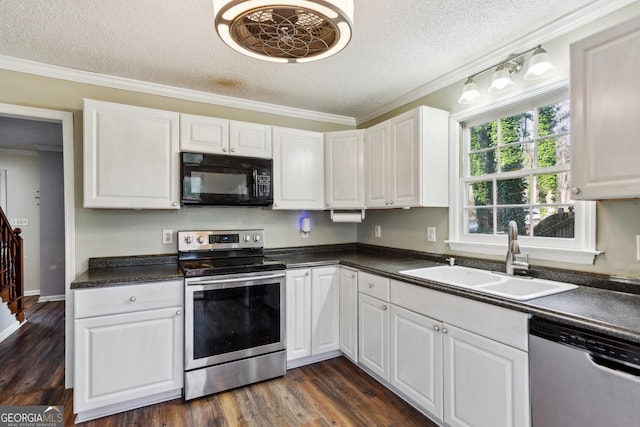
(127, 356)
(325, 310)
(298, 169)
(373, 334)
(201, 134)
(486, 383)
(376, 152)
(349, 313)
(604, 114)
(250, 140)
(298, 313)
(416, 358)
(344, 169)
(131, 157)
(404, 156)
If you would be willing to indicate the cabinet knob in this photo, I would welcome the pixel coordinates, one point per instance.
(391, 202)
(174, 204)
(371, 285)
(444, 330)
(384, 307)
(307, 273)
(386, 202)
(436, 328)
(233, 150)
(353, 275)
(575, 190)
(328, 204)
(224, 149)
(178, 313)
(132, 299)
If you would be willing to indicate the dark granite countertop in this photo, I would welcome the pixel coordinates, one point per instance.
(598, 309)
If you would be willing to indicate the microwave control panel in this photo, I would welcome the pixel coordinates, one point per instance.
(263, 185)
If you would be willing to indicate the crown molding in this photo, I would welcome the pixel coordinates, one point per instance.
(63, 73)
(556, 29)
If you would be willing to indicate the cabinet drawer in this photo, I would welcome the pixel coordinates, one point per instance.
(375, 286)
(128, 298)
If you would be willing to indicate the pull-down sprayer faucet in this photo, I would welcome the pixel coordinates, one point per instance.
(513, 248)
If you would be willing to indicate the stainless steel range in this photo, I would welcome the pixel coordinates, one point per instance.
(234, 311)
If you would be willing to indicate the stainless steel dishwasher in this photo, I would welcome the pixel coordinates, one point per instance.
(582, 379)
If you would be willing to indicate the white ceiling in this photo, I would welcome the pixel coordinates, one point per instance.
(398, 47)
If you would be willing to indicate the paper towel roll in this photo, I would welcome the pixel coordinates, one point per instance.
(347, 217)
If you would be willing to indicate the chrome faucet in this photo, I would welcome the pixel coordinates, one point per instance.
(513, 248)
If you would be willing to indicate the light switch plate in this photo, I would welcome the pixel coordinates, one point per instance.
(18, 222)
(431, 234)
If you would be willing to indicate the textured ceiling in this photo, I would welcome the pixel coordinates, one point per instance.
(397, 46)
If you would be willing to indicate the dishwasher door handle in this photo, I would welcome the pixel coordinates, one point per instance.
(613, 366)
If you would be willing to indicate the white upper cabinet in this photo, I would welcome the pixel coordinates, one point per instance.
(406, 160)
(201, 134)
(604, 114)
(131, 157)
(298, 169)
(344, 169)
(250, 139)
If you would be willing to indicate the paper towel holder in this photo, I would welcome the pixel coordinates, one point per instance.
(334, 217)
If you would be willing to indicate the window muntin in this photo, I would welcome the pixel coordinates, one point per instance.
(517, 168)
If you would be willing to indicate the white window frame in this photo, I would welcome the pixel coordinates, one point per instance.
(579, 250)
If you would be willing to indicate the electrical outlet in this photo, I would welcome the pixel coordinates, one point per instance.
(167, 237)
(18, 222)
(431, 234)
(377, 231)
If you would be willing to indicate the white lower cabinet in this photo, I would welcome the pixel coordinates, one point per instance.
(349, 313)
(313, 304)
(464, 362)
(486, 383)
(416, 358)
(373, 333)
(128, 347)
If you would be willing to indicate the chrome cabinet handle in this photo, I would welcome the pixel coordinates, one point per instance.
(391, 202)
(436, 328)
(132, 299)
(444, 330)
(307, 273)
(353, 275)
(384, 307)
(224, 149)
(575, 190)
(370, 285)
(233, 150)
(178, 313)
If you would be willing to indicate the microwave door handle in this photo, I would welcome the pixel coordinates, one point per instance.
(255, 183)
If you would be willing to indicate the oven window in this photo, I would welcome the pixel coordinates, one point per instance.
(228, 320)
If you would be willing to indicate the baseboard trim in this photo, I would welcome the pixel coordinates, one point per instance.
(10, 330)
(296, 363)
(50, 298)
(31, 293)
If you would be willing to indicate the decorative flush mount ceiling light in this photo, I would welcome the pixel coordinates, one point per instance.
(287, 30)
(539, 66)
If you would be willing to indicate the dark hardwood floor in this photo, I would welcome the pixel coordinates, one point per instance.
(329, 393)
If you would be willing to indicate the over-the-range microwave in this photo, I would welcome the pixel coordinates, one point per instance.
(214, 179)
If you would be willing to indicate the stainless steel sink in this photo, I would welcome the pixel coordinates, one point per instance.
(506, 286)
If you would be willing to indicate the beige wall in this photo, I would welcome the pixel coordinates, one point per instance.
(23, 183)
(618, 222)
(122, 232)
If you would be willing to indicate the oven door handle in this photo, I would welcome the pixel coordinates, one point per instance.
(209, 281)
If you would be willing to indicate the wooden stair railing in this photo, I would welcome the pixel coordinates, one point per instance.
(11, 267)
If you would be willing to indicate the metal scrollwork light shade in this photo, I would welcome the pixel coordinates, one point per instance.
(285, 31)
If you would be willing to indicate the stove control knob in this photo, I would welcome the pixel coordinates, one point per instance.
(188, 239)
(256, 237)
(201, 239)
(247, 237)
